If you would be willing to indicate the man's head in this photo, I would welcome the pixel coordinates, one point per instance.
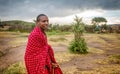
(42, 21)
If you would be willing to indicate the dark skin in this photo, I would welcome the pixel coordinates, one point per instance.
(43, 24)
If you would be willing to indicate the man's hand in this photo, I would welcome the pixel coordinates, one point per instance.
(54, 65)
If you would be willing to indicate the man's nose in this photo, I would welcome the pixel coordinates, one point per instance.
(46, 23)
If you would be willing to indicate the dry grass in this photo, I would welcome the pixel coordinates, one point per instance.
(109, 69)
(14, 39)
(18, 41)
(17, 68)
(112, 59)
(62, 57)
(95, 50)
(94, 38)
(57, 39)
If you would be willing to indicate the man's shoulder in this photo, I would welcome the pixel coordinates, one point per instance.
(34, 33)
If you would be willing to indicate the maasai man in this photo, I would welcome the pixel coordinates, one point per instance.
(39, 56)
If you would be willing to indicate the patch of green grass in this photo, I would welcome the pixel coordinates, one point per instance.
(17, 68)
(57, 39)
(57, 33)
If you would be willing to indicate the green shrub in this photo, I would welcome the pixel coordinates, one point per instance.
(78, 46)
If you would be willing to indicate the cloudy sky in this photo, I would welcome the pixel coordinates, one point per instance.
(60, 11)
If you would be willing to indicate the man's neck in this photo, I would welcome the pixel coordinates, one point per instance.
(42, 29)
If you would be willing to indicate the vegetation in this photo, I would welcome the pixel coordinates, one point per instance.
(96, 23)
(61, 28)
(112, 59)
(57, 39)
(17, 68)
(97, 20)
(70, 63)
(78, 45)
(57, 33)
(22, 26)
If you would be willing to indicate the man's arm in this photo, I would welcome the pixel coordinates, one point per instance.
(51, 53)
(38, 50)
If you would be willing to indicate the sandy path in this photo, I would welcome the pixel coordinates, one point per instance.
(17, 54)
(14, 55)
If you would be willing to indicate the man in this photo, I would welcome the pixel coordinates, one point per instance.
(39, 56)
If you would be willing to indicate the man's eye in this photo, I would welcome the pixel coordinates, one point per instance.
(43, 21)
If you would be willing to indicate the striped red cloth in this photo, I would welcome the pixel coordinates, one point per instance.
(39, 55)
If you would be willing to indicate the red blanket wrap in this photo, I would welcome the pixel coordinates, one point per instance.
(39, 55)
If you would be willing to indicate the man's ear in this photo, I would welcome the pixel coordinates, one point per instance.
(37, 22)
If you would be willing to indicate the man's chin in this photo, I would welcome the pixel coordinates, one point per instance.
(46, 28)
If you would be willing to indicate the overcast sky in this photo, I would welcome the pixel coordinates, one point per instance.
(60, 11)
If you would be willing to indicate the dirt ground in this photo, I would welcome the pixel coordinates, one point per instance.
(101, 46)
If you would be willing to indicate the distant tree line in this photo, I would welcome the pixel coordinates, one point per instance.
(98, 26)
(115, 28)
(17, 25)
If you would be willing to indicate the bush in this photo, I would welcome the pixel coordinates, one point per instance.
(78, 46)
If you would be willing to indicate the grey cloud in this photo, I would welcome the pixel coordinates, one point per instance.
(31, 8)
(90, 4)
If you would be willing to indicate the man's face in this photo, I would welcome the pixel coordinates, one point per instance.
(43, 22)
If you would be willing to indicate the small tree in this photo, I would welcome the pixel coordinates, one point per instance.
(78, 45)
(96, 21)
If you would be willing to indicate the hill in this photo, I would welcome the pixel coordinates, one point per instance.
(16, 25)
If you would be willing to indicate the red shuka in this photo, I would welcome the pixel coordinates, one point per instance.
(39, 55)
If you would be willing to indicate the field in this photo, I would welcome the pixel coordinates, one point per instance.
(103, 54)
